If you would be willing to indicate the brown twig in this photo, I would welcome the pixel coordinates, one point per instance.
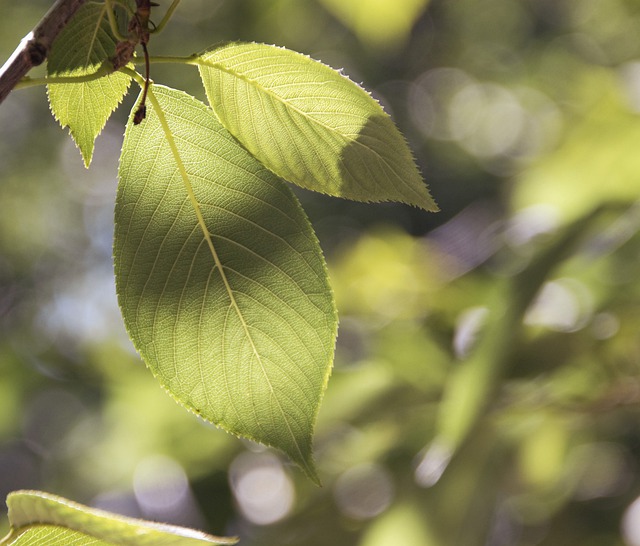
(141, 112)
(36, 45)
(138, 30)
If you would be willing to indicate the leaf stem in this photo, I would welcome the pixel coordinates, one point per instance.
(103, 71)
(135, 75)
(141, 112)
(10, 538)
(113, 23)
(191, 59)
(124, 6)
(166, 17)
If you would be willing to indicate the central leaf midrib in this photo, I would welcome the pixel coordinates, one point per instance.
(252, 82)
(207, 235)
(94, 36)
(267, 91)
(196, 206)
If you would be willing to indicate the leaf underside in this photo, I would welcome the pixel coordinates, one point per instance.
(238, 323)
(80, 49)
(310, 124)
(38, 518)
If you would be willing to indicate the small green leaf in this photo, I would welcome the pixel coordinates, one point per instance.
(220, 278)
(81, 50)
(310, 124)
(38, 518)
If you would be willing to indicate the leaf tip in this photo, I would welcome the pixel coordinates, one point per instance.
(428, 204)
(87, 154)
(309, 468)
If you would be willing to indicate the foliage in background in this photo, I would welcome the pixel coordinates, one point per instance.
(524, 114)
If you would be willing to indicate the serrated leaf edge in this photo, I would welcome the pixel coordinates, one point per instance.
(305, 463)
(199, 60)
(96, 513)
(87, 159)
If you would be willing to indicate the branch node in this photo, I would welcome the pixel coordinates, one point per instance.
(36, 52)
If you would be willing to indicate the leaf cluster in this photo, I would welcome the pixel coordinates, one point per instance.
(221, 281)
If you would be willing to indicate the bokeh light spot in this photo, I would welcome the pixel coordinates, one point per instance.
(261, 487)
(160, 484)
(364, 491)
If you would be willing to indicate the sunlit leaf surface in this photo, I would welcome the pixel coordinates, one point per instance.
(310, 124)
(38, 518)
(237, 319)
(80, 50)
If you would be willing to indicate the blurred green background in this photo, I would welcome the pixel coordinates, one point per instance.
(486, 389)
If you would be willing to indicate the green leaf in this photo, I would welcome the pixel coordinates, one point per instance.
(38, 518)
(310, 124)
(378, 23)
(220, 278)
(81, 50)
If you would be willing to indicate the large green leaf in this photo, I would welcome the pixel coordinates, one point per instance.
(38, 518)
(81, 50)
(224, 292)
(310, 124)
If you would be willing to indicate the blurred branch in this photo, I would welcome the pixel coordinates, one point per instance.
(35, 46)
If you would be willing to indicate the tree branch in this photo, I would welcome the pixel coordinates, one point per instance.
(35, 46)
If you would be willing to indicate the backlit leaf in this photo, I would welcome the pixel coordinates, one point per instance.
(310, 124)
(81, 50)
(38, 518)
(236, 320)
(378, 23)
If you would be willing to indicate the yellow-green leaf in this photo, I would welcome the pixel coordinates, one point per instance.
(220, 278)
(81, 50)
(38, 518)
(310, 124)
